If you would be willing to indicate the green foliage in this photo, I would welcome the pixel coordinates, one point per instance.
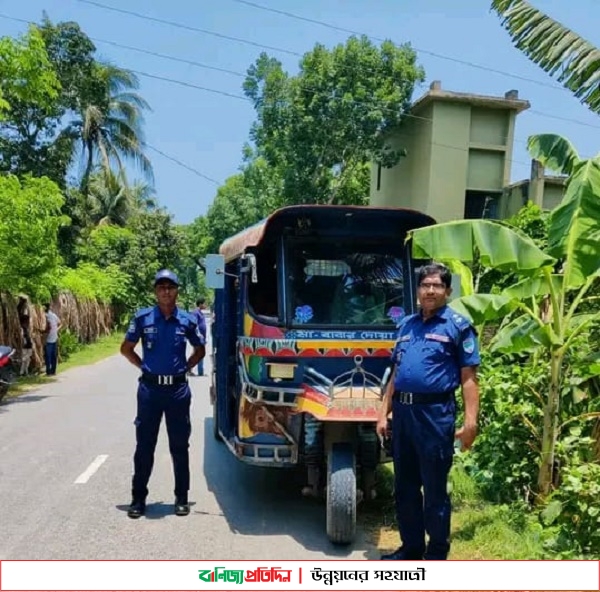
(321, 128)
(110, 125)
(30, 217)
(107, 245)
(26, 73)
(504, 460)
(234, 208)
(88, 281)
(33, 141)
(68, 344)
(530, 220)
(553, 283)
(574, 511)
(157, 244)
(558, 50)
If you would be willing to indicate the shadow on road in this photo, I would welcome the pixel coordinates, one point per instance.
(157, 510)
(9, 400)
(268, 501)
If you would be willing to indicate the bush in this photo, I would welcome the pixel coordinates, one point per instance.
(68, 344)
(504, 460)
(574, 508)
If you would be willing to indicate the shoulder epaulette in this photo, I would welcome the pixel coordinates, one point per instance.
(459, 320)
(143, 312)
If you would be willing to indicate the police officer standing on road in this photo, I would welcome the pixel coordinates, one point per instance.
(436, 352)
(163, 388)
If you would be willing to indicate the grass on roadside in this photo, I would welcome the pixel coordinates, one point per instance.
(480, 530)
(88, 354)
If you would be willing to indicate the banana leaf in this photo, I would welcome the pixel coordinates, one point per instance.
(574, 233)
(533, 286)
(498, 246)
(483, 308)
(522, 334)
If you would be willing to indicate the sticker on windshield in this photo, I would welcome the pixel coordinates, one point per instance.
(303, 314)
(396, 313)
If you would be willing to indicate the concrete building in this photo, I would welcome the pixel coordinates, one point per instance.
(458, 156)
(545, 191)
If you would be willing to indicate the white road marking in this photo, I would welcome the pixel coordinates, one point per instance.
(96, 464)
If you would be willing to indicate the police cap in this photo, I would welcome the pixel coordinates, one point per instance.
(166, 274)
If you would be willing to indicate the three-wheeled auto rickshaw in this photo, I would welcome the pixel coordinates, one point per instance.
(306, 308)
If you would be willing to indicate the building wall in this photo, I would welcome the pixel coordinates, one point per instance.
(407, 183)
(449, 162)
(453, 148)
(553, 195)
(516, 196)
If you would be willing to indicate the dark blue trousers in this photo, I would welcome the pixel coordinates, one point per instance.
(51, 357)
(423, 449)
(152, 402)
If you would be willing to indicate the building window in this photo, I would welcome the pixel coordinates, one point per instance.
(378, 177)
(481, 204)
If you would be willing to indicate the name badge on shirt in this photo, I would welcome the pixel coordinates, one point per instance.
(150, 330)
(436, 337)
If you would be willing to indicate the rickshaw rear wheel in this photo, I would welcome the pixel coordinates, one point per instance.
(341, 494)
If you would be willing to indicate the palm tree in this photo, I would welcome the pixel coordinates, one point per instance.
(574, 61)
(111, 200)
(110, 125)
(143, 197)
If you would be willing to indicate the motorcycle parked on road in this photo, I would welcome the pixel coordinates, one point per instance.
(8, 373)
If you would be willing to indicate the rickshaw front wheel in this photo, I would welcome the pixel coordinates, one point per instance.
(215, 421)
(341, 494)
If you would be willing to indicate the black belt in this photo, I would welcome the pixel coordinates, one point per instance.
(422, 398)
(163, 379)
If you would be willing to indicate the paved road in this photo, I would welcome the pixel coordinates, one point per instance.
(65, 466)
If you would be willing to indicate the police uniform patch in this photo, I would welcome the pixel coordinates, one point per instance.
(469, 345)
(131, 328)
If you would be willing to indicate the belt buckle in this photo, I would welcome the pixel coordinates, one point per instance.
(406, 399)
(165, 379)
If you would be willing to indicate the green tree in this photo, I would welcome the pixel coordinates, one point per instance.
(32, 139)
(561, 276)
(26, 73)
(107, 245)
(30, 216)
(157, 244)
(561, 52)
(110, 127)
(322, 127)
(110, 200)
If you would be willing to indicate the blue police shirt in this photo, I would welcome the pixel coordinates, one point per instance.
(429, 354)
(164, 340)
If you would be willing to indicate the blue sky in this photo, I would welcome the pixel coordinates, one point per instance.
(206, 130)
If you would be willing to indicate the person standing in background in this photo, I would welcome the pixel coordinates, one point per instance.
(53, 326)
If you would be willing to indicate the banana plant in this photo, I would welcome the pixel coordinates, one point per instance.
(561, 277)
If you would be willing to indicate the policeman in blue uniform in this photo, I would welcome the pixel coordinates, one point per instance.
(163, 388)
(436, 352)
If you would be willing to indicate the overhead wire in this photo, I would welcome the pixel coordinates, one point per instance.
(328, 25)
(240, 74)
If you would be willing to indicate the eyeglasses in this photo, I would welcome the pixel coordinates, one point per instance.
(430, 286)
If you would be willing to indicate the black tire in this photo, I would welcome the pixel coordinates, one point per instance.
(215, 422)
(341, 494)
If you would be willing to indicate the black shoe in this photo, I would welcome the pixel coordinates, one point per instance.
(403, 554)
(136, 509)
(182, 507)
